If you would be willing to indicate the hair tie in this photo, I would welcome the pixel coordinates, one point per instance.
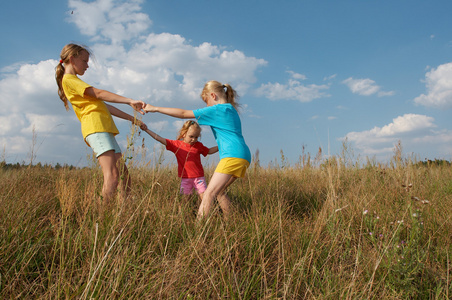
(61, 61)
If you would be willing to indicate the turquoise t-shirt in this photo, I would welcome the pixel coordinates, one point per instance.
(225, 123)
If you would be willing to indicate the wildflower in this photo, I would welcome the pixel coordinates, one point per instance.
(399, 221)
(415, 215)
(381, 235)
(370, 233)
(365, 212)
(425, 201)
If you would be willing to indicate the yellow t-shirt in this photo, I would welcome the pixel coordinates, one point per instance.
(92, 113)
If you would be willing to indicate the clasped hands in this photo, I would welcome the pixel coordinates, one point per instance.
(142, 108)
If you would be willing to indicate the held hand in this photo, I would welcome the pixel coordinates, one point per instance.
(150, 108)
(139, 123)
(138, 106)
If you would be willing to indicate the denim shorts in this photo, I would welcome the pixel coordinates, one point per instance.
(102, 142)
(188, 184)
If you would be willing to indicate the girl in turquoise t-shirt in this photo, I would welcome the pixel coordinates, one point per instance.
(98, 128)
(222, 117)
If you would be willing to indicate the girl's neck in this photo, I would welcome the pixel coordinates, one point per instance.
(69, 70)
(220, 101)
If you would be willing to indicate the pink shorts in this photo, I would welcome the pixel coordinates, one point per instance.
(188, 184)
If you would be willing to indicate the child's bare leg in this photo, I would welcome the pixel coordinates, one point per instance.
(223, 199)
(200, 196)
(110, 171)
(217, 186)
(126, 181)
(224, 202)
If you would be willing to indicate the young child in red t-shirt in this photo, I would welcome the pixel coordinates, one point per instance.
(188, 154)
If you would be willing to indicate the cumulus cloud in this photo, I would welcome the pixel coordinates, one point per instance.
(297, 76)
(365, 87)
(157, 126)
(109, 20)
(439, 88)
(412, 129)
(292, 90)
(155, 67)
(29, 105)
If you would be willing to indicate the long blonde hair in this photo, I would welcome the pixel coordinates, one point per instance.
(185, 127)
(68, 51)
(222, 90)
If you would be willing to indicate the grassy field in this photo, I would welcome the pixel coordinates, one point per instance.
(325, 230)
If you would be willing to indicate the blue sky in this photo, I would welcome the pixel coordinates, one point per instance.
(310, 73)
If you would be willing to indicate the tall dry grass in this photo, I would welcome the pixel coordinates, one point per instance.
(317, 230)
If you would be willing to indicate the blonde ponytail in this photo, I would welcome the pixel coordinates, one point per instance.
(222, 90)
(59, 73)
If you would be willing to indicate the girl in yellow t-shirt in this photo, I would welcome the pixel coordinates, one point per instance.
(98, 128)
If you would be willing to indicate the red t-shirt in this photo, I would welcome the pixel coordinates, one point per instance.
(188, 157)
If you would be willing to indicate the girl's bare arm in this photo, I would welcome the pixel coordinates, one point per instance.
(156, 137)
(173, 112)
(114, 98)
(213, 150)
(120, 114)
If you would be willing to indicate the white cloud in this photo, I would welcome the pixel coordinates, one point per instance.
(161, 67)
(297, 75)
(10, 123)
(28, 88)
(177, 125)
(29, 105)
(406, 124)
(415, 131)
(365, 87)
(109, 20)
(439, 88)
(157, 126)
(166, 68)
(44, 123)
(292, 90)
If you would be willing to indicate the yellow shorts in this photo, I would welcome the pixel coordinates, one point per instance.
(232, 166)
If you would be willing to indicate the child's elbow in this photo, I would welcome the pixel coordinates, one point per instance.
(188, 114)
